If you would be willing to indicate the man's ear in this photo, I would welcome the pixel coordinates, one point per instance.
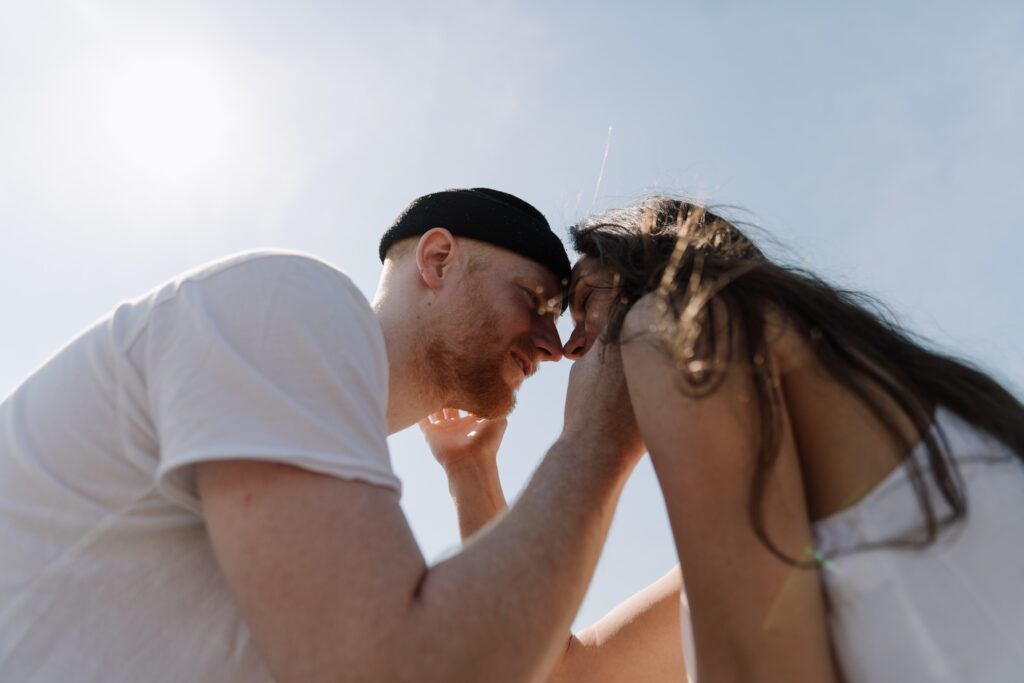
(436, 252)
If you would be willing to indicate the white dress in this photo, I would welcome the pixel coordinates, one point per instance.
(952, 611)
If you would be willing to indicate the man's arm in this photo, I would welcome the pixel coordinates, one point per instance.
(637, 641)
(331, 582)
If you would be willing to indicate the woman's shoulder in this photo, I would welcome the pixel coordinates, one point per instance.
(643, 315)
(653, 317)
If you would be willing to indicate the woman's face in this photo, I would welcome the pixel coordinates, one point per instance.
(591, 292)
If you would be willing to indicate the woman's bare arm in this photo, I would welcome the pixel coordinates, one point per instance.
(466, 446)
(637, 641)
(755, 617)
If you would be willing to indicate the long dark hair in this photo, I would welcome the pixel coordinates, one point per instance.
(709, 276)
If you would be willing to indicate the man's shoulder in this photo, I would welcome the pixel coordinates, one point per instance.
(255, 275)
(260, 263)
(256, 286)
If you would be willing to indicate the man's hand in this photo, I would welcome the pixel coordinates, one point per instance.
(458, 440)
(467, 448)
(597, 406)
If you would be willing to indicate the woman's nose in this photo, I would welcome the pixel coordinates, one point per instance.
(576, 345)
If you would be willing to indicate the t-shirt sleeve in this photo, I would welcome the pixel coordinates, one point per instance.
(279, 359)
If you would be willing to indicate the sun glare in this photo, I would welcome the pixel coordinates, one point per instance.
(163, 122)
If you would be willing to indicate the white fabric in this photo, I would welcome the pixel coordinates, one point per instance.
(686, 633)
(106, 572)
(953, 611)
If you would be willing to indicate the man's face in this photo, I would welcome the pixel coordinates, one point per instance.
(498, 325)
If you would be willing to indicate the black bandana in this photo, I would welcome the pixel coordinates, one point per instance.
(487, 215)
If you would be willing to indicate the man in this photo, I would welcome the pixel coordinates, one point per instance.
(198, 488)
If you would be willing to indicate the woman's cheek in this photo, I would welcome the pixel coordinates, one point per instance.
(595, 323)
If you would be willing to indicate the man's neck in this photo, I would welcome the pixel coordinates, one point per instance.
(410, 399)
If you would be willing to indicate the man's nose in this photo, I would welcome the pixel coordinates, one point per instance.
(548, 343)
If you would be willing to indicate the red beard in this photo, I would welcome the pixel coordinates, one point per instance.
(468, 369)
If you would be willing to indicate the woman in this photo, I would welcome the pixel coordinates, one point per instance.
(846, 503)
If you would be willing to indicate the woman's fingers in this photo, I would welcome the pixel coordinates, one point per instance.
(449, 415)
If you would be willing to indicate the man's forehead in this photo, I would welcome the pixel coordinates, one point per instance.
(525, 272)
(525, 268)
(545, 284)
(547, 280)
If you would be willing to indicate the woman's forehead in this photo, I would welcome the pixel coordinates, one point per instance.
(593, 271)
(585, 266)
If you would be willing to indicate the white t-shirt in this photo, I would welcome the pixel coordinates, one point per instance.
(106, 570)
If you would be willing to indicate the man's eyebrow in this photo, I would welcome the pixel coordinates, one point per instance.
(559, 297)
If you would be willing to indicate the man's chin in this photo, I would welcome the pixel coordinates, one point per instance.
(493, 405)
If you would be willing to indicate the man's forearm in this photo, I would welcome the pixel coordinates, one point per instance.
(512, 593)
(327, 574)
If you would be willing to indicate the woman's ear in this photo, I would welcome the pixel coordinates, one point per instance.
(435, 252)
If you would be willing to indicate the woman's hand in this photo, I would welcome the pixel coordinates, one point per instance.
(459, 441)
(467, 448)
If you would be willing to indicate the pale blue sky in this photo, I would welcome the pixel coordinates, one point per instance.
(880, 144)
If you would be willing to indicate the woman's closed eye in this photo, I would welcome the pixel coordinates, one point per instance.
(580, 310)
